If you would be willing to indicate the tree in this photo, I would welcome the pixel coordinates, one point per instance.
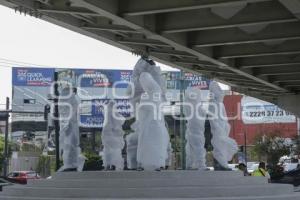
(270, 146)
(11, 147)
(1, 152)
(296, 147)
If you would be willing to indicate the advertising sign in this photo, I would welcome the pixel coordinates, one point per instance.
(32, 76)
(91, 121)
(102, 78)
(255, 111)
(197, 81)
(96, 118)
(190, 80)
(91, 114)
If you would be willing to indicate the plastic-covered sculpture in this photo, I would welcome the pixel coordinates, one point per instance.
(169, 158)
(132, 144)
(145, 66)
(69, 130)
(112, 138)
(195, 127)
(148, 95)
(224, 146)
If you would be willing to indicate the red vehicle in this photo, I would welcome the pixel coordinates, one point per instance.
(22, 177)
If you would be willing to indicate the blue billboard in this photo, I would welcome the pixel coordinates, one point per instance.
(96, 118)
(97, 78)
(32, 76)
(103, 78)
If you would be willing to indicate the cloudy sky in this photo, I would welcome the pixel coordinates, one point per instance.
(27, 41)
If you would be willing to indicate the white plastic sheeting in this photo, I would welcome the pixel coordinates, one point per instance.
(195, 127)
(169, 158)
(132, 144)
(137, 91)
(69, 130)
(112, 137)
(224, 146)
(153, 138)
(153, 135)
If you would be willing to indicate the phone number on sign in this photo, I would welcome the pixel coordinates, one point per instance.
(276, 113)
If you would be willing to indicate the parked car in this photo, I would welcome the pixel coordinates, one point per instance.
(252, 166)
(22, 177)
(233, 167)
(290, 177)
(290, 166)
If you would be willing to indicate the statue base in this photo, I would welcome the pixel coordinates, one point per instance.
(180, 184)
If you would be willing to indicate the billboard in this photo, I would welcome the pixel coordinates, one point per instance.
(255, 111)
(102, 78)
(190, 80)
(32, 76)
(95, 118)
(30, 84)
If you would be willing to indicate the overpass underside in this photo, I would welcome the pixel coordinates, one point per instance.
(251, 45)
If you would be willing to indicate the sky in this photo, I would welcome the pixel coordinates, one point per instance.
(30, 40)
(25, 39)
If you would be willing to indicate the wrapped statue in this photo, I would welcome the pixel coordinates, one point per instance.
(69, 130)
(148, 95)
(195, 127)
(224, 146)
(112, 138)
(131, 148)
(169, 158)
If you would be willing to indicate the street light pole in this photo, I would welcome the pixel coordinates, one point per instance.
(6, 140)
(245, 148)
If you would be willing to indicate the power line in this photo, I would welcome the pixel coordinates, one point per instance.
(9, 64)
(20, 63)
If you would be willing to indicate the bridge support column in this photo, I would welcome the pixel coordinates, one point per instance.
(290, 103)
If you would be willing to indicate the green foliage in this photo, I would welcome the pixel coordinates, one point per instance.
(90, 157)
(296, 147)
(1, 144)
(88, 145)
(92, 162)
(10, 148)
(127, 126)
(271, 147)
(44, 166)
(31, 148)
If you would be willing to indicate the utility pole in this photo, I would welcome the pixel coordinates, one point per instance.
(5, 167)
(56, 121)
(47, 110)
(182, 120)
(245, 147)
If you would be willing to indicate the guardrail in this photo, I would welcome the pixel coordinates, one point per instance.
(4, 183)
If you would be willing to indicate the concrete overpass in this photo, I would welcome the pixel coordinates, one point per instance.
(251, 45)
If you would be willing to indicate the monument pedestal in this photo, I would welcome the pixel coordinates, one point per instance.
(202, 185)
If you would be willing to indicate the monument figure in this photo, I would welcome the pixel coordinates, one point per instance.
(69, 129)
(131, 148)
(148, 95)
(112, 138)
(195, 127)
(224, 147)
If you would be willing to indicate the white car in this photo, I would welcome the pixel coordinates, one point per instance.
(290, 166)
(252, 166)
(233, 167)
